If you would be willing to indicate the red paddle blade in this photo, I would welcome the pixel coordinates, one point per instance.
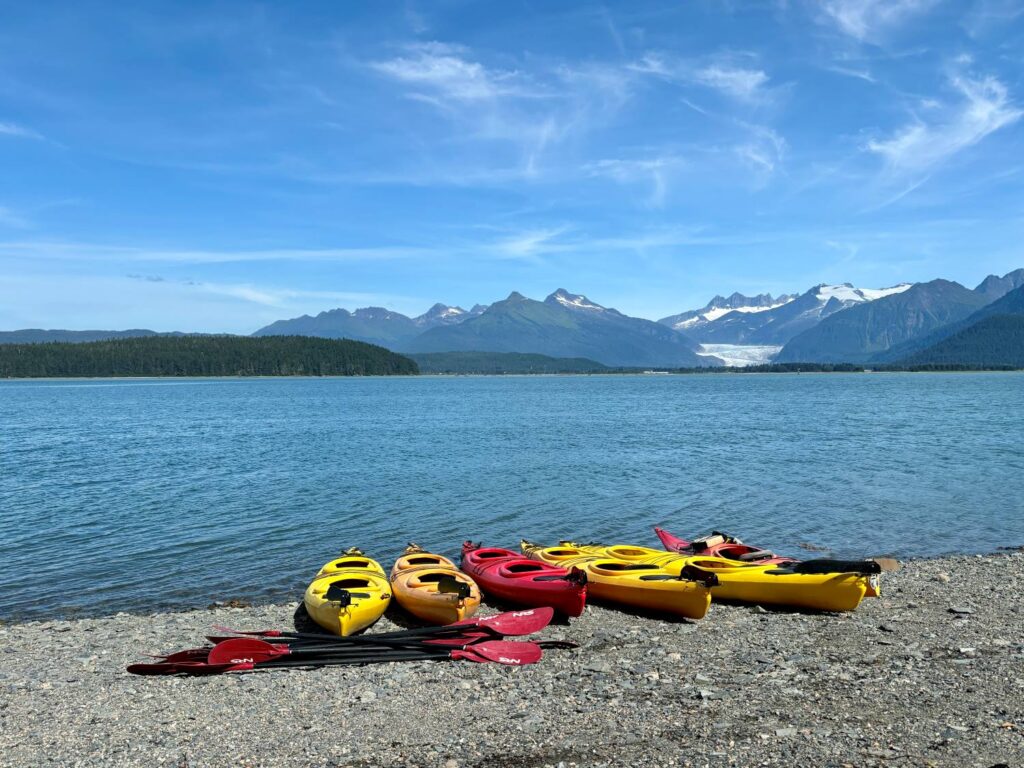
(511, 653)
(244, 650)
(513, 623)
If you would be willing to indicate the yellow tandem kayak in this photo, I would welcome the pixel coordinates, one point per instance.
(432, 588)
(774, 584)
(640, 585)
(348, 594)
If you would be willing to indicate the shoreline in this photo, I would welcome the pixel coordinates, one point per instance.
(735, 371)
(932, 672)
(243, 601)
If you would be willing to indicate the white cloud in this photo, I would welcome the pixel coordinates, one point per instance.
(445, 72)
(528, 244)
(763, 151)
(736, 82)
(920, 146)
(866, 19)
(530, 112)
(19, 131)
(725, 75)
(656, 172)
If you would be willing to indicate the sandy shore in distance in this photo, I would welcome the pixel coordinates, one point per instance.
(930, 674)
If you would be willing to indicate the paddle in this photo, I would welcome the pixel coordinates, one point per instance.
(509, 624)
(505, 652)
(250, 649)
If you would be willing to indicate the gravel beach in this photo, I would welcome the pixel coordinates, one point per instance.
(932, 673)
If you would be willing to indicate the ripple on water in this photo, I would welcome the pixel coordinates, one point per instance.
(156, 494)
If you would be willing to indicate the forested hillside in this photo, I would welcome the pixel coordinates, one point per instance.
(995, 342)
(202, 356)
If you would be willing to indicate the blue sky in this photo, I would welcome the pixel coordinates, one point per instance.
(221, 165)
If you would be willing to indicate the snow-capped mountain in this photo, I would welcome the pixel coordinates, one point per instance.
(787, 316)
(573, 301)
(566, 325)
(720, 306)
(440, 314)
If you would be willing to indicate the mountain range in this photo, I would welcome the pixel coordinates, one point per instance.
(565, 325)
(375, 325)
(825, 324)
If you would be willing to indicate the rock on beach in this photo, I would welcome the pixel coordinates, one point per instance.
(930, 674)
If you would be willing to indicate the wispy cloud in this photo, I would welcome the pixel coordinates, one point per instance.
(727, 75)
(921, 146)
(736, 82)
(19, 131)
(655, 172)
(269, 296)
(76, 251)
(529, 111)
(866, 19)
(764, 150)
(445, 72)
(529, 244)
(860, 74)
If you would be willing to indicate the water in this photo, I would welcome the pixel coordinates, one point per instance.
(134, 495)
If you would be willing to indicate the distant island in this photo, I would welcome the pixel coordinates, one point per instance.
(202, 356)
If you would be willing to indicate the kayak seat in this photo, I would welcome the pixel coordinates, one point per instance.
(485, 554)
(628, 552)
(618, 567)
(348, 583)
(525, 568)
(757, 554)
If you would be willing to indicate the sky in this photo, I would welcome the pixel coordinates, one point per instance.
(217, 166)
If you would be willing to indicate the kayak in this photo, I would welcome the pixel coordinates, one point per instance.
(348, 594)
(432, 588)
(820, 585)
(508, 576)
(720, 545)
(637, 585)
(730, 548)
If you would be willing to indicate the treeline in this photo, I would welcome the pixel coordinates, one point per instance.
(202, 356)
(497, 363)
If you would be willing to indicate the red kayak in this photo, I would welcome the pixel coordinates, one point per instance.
(720, 545)
(508, 576)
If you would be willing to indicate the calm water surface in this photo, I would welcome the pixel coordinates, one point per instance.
(133, 495)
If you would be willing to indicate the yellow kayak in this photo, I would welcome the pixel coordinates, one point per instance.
(432, 588)
(640, 585)
(773, 584)
(348, 594)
